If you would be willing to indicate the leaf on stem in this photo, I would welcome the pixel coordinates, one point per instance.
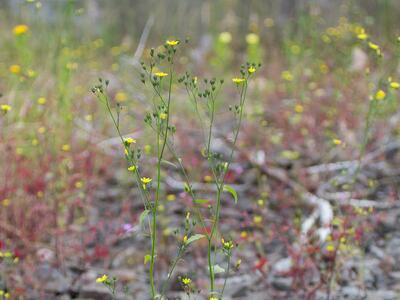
(231, 190)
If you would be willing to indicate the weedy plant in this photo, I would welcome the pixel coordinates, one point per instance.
(203, 96)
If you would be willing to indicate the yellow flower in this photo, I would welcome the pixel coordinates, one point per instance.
(227, 245)
(129, 141)
(163, 116)
(42, 130)
(395, 85)
(102, 279)
(373, 46)
(6, 202)
(145, 180)
(299, 108)
(252, 39)
(337, 141)
(251, 70)
(330, 247)
(121, 97)
(225, 37)
(5, 107)
(287, 75)
(380, 95)
(15, 69)
(41, 100)
(160, 74)
(213, 298)
(362, 36)
(132, 168)
(257, 219)
(186, 280)
(172, 42)
(66, 147)
(171, 197)
(185, 239)
(238, 80)
(20, 29)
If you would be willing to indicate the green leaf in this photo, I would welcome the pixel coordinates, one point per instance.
(231, 190)
(201, 201)
(218, 269)
(143, 216)
(147, 258)
(168, 163)
(194, 238)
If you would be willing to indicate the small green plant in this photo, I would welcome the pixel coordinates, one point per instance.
(159, 74)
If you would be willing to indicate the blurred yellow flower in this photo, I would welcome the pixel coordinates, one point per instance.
(132, 168)
(121, 97)
(129, 141)
(225, 37)
(20, 29)
(102, 279)
(257, 219)
(5, 107)
(380, 95)
(395, 85)
(15, 69)
(252, 39)
(186, 280)
(41, 101)
(172, 42)
(251, 70)
(66, 147)
(373, 46)
(287, 75)
(160, 74)
(163, 116)
(337, 141)
(238, 80)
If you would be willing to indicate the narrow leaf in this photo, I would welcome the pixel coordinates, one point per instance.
(147, 258)
(218, 269)
(201, 201)
(231, 190)
(194, 238)
(143, 216)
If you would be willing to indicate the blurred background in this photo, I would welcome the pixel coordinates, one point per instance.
(69, 211)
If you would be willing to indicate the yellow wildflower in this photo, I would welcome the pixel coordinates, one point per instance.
(251, 70)
(132, 168)
(6, 202)
(20, 29)
(171, 197)
(337, 141)
(102, 279)
(129, 141)
(160, 74)
(213, 298)
(185, 239)
(145, 180)
(66, 147)
(225, 37)
(121, 97)
(299, 108)
(238, 80)
(5, 107)
(330, 247)
(186, 280)
(373, 46)
(252, 38)
(395, 85)
(172, 42)
(41, 101)
(163, 116)
(257, 219)
(380, 95)
(15, 69)
(287, 75)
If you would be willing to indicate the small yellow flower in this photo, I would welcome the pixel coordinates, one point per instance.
(89, 117)
(102, 279)
(171, 197)
(79, 184)
(380, 95)
(15, 69)
(5, 108)
(251, 70)
(287, 75)
(41, 101)
(373, 46)
(20, 29)
(252, 38)
(145, 180)
(213, 298)
(395, 85)
(362, 36)
(225, 37)
(172, 42)
(330, 247)
(35, 142)
(6, 202)
(160, 74)
(132, 168)
(66, 147)
(299, 108)
(185, 239)
(243, 234)
(163, 116)
(337, 141)
(129, 141)
(121, 97)
(186, 280)
(238, 80)
(257, 219)
(42, 129)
